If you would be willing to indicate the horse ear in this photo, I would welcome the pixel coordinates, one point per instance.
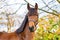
(28, 7)
(36, 6)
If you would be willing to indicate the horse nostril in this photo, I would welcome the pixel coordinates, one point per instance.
(31, 29)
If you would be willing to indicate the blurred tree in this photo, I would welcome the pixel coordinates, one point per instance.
(58, 1)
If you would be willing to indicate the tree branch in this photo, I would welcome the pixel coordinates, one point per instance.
(43, 10)
(49, 7)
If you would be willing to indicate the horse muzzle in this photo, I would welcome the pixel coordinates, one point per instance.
(31, 29)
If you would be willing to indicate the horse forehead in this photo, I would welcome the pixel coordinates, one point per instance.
(32, 10)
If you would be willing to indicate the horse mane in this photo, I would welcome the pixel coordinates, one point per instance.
(23, 25)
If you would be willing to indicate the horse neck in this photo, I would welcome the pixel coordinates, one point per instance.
(29, 35)
(27, 32)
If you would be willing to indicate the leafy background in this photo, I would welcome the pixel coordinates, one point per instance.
(48, 28)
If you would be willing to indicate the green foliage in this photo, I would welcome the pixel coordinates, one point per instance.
(49, 33)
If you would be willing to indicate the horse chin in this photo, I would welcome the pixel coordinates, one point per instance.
(31, 29)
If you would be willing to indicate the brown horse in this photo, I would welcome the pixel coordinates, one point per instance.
(27, 29)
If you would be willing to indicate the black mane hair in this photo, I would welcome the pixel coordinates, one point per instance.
(23, 25)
